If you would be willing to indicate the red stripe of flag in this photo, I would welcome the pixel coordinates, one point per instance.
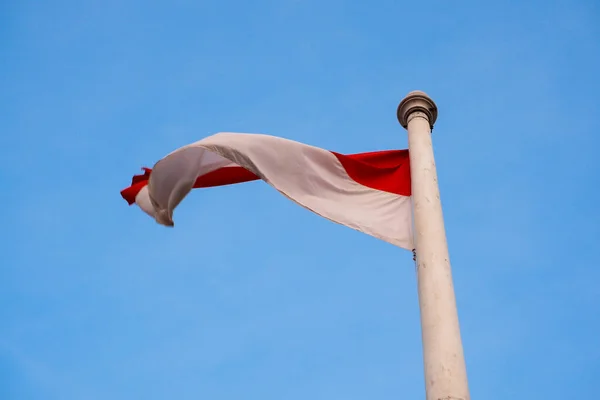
(388, 171)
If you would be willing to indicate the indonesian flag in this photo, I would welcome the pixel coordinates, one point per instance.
(369, 192)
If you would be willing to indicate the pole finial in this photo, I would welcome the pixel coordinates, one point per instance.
(417, 101)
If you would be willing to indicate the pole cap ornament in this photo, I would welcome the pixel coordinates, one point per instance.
(417, 101)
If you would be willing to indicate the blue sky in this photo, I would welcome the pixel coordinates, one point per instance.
(251, 296)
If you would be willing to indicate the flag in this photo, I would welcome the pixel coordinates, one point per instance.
(368, 192)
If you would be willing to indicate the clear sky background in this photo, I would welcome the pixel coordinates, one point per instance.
(251, 296)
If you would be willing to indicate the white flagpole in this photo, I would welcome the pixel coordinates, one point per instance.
(445, 371)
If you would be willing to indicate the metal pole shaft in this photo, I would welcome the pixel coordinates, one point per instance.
(445, 371)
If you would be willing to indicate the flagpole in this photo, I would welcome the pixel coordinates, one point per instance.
(443, 358)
